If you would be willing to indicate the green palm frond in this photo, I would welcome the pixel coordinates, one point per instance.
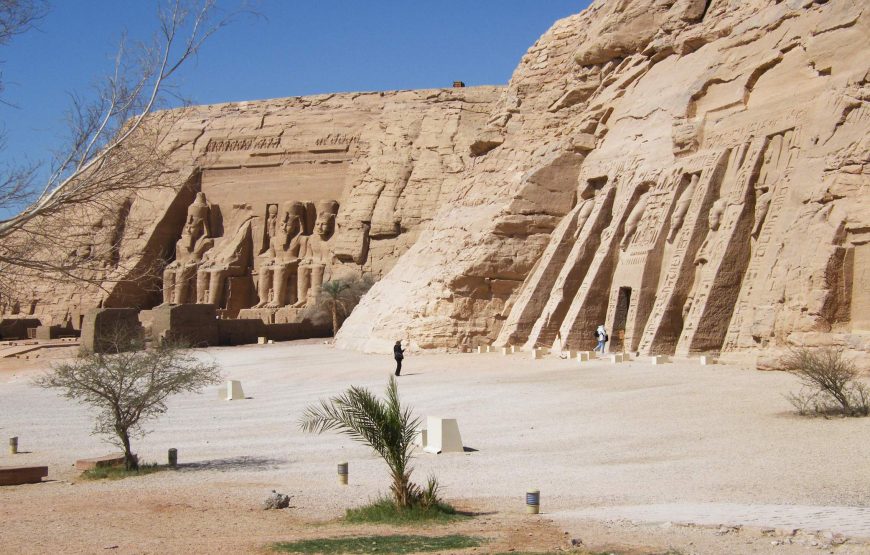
(384, 425)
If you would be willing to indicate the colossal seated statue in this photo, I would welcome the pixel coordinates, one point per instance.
(281, 258)
(316, 255)
(232, 259)
(194, 242)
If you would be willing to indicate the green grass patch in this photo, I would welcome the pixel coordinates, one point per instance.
(119, 472)
(379, 544)
(385, 511)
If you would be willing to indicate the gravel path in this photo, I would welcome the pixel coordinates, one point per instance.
(673, 442)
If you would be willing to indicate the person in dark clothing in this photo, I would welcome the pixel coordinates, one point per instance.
(399, 353)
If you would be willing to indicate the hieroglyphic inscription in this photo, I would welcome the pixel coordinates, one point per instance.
(337, 139)
(743, 168)
(733, 134)
(777, 170)
(660, 198)
(688, 235)
(242, 144)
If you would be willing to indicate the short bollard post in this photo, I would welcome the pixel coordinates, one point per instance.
(342, 473)
(13, 445)
(533, 501)
(173, 457)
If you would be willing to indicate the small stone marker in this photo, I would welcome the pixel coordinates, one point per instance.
(533, 501)
(443, 436)
(616, 358)
(342, 473)
(271, 342)
(706, 360)
(234, 390)
(659, 359)
(13, 445)
(506, 351)
(584, 356)
(481, 349)
(172, 457)
(261, 341)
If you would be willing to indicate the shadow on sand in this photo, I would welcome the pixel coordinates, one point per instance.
(234, 463)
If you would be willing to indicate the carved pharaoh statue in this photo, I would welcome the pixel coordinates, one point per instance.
(282, 255)
(232, 259)
(316, 254)
(194, 242)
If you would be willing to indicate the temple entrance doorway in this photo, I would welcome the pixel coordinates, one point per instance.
(617, 338)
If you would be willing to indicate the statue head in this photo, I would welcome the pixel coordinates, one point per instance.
(325, 224)
(292, 221)
(197, 215)
(716, 212)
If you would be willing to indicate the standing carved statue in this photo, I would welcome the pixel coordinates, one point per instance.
(282, 255)
(583, 215)
(232, 259)
(316, 254)
(633, 220)
(682, 208)
(714, 220)
(194, 242)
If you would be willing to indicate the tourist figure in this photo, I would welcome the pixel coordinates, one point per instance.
(601, 336)
(399, 354)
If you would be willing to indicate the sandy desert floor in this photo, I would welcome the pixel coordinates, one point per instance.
(703, 459)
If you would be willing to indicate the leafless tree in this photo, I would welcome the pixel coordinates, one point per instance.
(68, 227)
(830, 383)
(128, 385)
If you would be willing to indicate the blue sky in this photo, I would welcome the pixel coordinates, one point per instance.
(298, 47)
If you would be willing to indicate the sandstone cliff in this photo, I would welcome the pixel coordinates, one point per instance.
(387, 159)
(693, 174)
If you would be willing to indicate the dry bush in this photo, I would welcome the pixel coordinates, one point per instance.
(830, 383)
(129, 385)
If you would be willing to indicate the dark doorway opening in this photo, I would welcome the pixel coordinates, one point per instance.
(620, 318)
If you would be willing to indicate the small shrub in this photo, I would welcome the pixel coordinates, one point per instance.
(830, 383)
(385, 511)
(120, 472)
(380, 544)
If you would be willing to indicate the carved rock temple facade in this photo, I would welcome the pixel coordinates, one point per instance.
(691, 173)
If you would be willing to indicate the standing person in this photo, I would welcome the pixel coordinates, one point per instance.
(399, 354)
(601, 336)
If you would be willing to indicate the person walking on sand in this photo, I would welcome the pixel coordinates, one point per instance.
(601, 336)
(399, 354)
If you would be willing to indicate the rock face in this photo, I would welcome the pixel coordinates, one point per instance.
(264, 201)
(693, 174)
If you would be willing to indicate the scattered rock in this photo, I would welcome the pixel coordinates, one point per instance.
(276, 501)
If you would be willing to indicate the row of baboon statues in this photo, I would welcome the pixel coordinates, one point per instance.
(294, 257)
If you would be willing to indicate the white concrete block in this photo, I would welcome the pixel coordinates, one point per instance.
(537, 353)
(506, 351)
(271, 342)
(234, 390)
(421, 439)
(481, 349)
(584, 356)
(616, 358)
(706, 360)
(261, 341)
(659, 359)
(442, 436)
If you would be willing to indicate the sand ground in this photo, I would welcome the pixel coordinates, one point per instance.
(705, 459)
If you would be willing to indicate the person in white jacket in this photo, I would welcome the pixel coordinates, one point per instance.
(601, 335)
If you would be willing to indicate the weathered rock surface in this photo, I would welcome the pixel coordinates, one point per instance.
(356, 174)
(692, 174)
